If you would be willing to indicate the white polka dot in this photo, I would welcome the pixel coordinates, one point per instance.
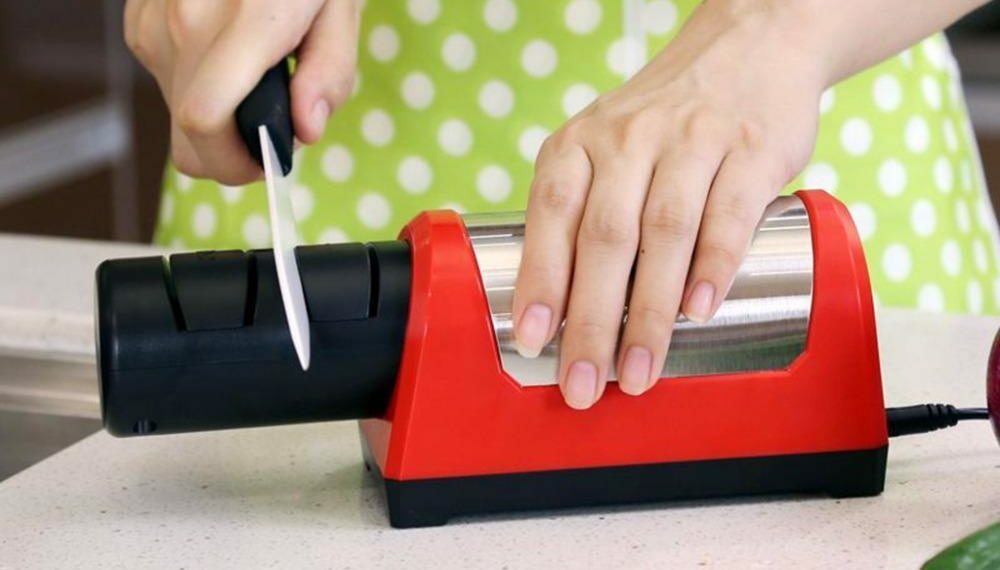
(954, 93)
(257, 231)
(923, 217)
(377, 127)
(932, 91)
(950, 136)
(906, 56)
(302, 202)
(455, 137)
(577, 97)
(864, 219)
(582, 16)
(493, 183)
(933, 52)
(417, 90)
(917, 134)
(539, 58)
(887, 92)
(333, 235)
(178, 244)
(962, 218)
(965, 175)
(979, 256)
(373, 210)
(892, 177)
(184, 182)
(230, 194)
(944, 177)
(896, 262)
(984, 214)
(974, 296)
(951, 258)
(820, 175)
(530, 142)
(930, 298)
(500, 15)
(856, 136)
(625, 56)
(659, 17)
(337, 163)
(826, 100)
(458, 52)
(203, 221)
(496, 98)
(414, 174)
(167, 208)
(424, 11)
(455, 206)
(383, 43)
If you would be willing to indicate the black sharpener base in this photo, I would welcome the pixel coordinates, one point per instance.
(433, 502)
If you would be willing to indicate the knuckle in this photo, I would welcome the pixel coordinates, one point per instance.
(735, 209)
(195, 117)
(183, 20)
(340, 87)
(751, 135)
(610, 228)
(724, 254)
(669, 222)
(701, 125)
(651, 319)
(555, 196)
(141, 27)
(563, 139)
(589, 331)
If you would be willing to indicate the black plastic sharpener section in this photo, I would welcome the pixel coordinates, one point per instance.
(200, 341)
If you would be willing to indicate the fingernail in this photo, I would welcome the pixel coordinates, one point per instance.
(320, 113)
(581, 385)
(533, 330)
(635, 371)
(699, 304)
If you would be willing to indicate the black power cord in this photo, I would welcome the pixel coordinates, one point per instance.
(923, 418)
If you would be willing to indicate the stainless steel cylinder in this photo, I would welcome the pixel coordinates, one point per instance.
(761, 325)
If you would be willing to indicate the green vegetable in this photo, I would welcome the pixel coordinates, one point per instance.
(979, 551)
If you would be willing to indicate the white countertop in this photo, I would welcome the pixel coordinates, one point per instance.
(47, 291)
(297, 496)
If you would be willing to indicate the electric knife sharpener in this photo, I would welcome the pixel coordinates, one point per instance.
(779, 393)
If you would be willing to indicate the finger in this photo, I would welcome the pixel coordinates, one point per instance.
(182, 154)
(744, 185)
(555, 205)
(324, 76)
(254, 41)
(145, 32)
(670, 221)
(605, 253)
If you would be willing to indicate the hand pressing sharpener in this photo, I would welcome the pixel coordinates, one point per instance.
(779, 393)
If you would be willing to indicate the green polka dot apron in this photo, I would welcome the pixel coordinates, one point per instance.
(454, 98)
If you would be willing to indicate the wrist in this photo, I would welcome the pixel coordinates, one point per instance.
(786, 36)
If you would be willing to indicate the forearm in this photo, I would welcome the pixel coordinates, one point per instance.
(856, 34)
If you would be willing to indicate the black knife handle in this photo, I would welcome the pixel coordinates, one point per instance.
(269, 104)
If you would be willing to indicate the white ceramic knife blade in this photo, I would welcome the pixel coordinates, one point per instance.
(284, 239)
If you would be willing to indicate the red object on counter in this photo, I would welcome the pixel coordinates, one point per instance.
(455, 413)
(993, 386)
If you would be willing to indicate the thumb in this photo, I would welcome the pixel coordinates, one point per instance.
(324, 74)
